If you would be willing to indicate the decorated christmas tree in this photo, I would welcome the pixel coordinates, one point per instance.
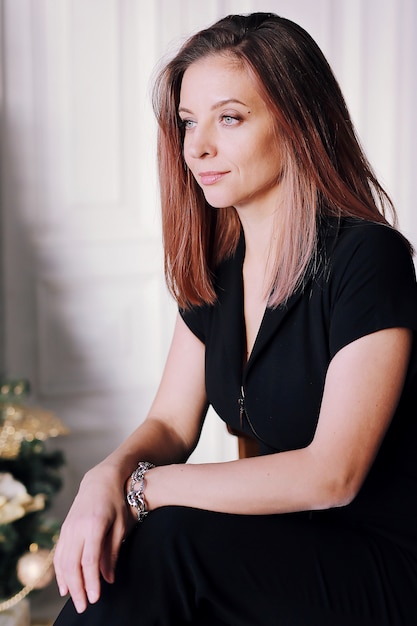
(29, 479)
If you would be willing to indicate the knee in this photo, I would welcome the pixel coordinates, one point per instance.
(163, 532)
(168, 527)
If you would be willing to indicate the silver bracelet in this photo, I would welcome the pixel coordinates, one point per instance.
(136, 497)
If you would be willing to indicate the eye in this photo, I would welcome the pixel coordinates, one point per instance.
(188, 124)
(229, 120)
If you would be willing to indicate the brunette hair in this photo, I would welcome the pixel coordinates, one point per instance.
(325, 171)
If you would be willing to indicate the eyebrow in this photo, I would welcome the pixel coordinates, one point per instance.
(217, 105)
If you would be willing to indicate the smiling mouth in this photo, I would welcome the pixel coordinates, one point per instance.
(210, 178)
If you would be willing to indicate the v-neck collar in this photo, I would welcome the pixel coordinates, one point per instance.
(231, 307)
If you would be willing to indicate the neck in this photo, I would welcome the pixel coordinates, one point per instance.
(259, 237)
(258, 266)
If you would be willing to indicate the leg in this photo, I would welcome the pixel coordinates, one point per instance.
(188, 566)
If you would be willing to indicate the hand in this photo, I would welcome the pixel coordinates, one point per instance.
(91, 536)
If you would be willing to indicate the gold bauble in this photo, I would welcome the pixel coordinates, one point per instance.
(35, 569)
(20, 423)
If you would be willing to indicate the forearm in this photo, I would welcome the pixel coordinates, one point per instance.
(152, 441)
(327, 473)
(279, 483)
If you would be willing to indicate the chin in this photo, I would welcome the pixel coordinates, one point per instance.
(218, 203)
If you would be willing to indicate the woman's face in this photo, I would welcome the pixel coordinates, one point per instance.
(230, 145)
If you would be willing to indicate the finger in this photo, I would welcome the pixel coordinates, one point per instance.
(62, 587)
(69, 576)
(110, 552)
(90, 563)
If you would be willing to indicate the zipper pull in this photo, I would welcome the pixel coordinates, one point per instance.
(241, 403)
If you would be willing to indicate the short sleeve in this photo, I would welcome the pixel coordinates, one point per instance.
(372, 284)
(195, 319)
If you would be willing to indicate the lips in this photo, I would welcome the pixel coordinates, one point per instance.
(210, 178)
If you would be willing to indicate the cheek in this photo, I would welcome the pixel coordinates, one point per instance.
(186, 154)
(269, 160)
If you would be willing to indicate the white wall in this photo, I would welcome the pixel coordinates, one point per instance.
(87, 317)
(371, 45)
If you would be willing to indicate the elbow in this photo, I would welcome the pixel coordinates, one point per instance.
(339, 491)
(335, 482)
(343, 497)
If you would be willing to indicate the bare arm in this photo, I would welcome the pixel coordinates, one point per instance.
(99, 518)
(362, 389)
(172, 427)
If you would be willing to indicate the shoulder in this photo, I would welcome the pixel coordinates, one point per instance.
(348, 231)
(363, 244)
(369, 280)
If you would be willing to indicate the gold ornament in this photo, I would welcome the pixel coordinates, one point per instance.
(15, 502)
(6, 605)
(19, 423)
(34, 569)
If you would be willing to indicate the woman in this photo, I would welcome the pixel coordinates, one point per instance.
(297, 309)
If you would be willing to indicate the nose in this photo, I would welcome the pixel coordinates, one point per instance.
(200, 142)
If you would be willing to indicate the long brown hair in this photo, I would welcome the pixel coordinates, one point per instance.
(325, 171)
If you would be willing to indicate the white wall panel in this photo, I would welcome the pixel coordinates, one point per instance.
(95, 153)
(178, 19)
(92, 124)
(92, 337)
(87, 316)
(373, 55)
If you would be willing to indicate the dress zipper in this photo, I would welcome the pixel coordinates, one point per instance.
(243, 413)
(241, 403)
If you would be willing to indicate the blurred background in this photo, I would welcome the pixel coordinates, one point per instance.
(85, 316)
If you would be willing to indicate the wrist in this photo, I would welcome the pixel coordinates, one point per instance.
(135, 496)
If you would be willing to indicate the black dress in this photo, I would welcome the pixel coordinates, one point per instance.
(351, 566)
